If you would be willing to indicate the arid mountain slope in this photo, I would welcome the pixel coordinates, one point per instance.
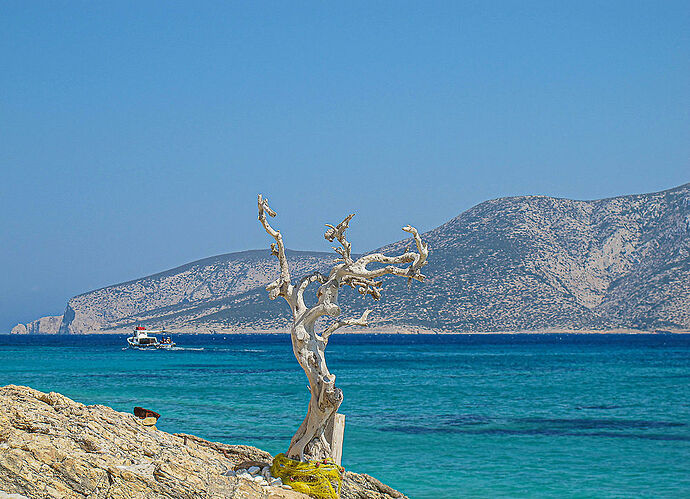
(509, 264)
(536, 262)
(178, 296)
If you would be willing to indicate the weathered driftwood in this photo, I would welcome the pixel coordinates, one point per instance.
(309, 442)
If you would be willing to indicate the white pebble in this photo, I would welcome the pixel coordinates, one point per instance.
(253, 470)
(276, 482)
(245, 475)
(258, 479)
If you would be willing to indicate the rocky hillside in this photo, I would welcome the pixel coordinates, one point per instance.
(509, 264)
(54, 447)
(180, 296)
(535, 262)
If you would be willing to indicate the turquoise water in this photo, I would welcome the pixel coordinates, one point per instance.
(489, 415)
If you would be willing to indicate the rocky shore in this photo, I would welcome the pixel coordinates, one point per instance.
(54, 447)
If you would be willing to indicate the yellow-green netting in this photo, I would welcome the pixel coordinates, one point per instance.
(319, 479)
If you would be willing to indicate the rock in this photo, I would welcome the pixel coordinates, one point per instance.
(275, 482)
(361, 486)
(148, 421)
(4, 495)
(18, 329)
(44, 325)
(253, 470)
(53, 447)
(259, 463)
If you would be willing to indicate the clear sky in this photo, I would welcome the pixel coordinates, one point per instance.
(134, 137)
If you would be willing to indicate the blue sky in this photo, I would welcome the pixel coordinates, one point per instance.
(134, 137)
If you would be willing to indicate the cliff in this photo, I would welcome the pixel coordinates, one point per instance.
(45, 325)
(53, 447)
(509, 264)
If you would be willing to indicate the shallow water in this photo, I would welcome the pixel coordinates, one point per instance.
(489, 415)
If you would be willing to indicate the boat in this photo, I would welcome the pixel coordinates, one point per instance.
(143, 339)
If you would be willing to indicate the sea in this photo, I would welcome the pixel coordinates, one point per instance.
(434, 416)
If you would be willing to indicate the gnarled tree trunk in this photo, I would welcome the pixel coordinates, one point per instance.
(309, 442)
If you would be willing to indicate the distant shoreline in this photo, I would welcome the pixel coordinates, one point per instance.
(392, 331)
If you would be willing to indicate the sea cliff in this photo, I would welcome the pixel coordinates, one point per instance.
(44, 325)
(54, 447)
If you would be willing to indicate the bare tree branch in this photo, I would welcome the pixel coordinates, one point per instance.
(304, 283)
(338, 233)
(359, 270)
(362, 321)
(364, 286)
(422, 248)
(281, 286)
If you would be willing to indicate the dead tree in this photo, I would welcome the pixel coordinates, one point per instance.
(309, 442)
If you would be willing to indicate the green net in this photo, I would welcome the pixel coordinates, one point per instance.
(319, 479)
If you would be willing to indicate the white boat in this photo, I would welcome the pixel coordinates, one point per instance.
(143, 339)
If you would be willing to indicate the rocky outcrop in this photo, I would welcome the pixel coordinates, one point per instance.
(44, 325)
(53, 447)
(509, 264)
(19, 329)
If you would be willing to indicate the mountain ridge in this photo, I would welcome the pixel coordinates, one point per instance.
(507, 264)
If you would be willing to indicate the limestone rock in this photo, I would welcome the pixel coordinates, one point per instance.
(19, 329)
(44, 325)
(361, 486)
(53, 447)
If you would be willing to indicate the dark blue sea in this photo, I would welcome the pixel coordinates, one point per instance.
(432, 415)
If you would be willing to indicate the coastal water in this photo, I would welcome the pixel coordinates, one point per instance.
(432, 415)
